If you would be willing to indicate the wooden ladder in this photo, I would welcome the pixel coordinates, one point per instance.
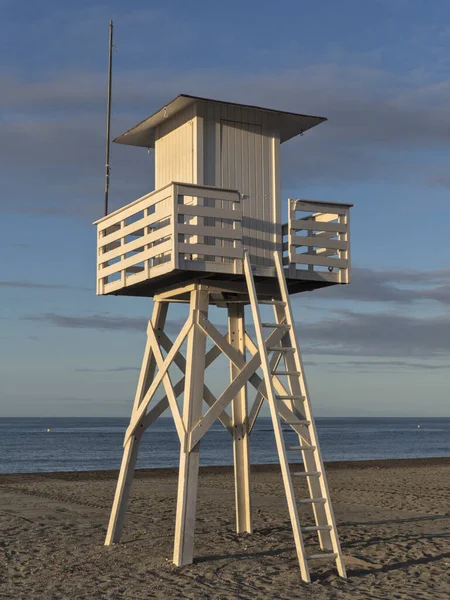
(292, 404)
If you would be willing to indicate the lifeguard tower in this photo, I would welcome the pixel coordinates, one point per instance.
(211, 233)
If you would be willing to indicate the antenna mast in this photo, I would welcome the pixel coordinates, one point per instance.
(108, 116)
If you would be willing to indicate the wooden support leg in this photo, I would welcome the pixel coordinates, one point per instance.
(236, 328)
(192, 411)
(131, 449)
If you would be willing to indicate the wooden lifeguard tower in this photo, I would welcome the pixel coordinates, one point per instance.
(211, 233)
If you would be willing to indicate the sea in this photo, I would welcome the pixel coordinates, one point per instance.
(32, 445)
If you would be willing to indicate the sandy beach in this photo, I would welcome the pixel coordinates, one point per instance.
(393, 517)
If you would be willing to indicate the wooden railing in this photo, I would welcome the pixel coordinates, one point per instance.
(317, 245)
(179, 226)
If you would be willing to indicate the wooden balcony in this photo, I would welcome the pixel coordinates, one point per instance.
(316, 241)
(184, 232)
(178, 227)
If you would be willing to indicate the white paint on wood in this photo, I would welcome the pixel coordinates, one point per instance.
(241, 441)
(190, 459)
(131, 449)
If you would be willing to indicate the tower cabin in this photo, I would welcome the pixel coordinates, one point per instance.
(218, 192)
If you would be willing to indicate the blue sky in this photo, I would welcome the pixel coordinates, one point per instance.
(379, 70)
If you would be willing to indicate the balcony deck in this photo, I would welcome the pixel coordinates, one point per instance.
(183, 233)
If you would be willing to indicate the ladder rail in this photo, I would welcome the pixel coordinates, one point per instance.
(287, 480)
(297, 360)
(309, 459)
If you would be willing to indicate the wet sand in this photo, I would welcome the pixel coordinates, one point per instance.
(393, 518)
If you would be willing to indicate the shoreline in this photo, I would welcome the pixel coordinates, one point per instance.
(108, 474)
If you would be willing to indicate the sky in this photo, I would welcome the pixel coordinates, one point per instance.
(379, 70)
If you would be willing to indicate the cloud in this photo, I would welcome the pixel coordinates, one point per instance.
(401, 286)
(99, 322)
(32, 285)
(103, 322)
(378, 334)
(376, 119)
(114, 370)
(374, 365)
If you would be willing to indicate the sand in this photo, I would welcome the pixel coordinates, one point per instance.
(393, 517)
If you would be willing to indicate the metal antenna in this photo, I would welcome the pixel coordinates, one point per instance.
(108, 116)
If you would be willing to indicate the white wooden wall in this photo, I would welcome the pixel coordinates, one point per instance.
(231, 147)
(241, 151)
(175, 150)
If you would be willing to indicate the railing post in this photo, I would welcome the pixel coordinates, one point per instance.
(292, 267)
(100, 284)
(345, 274)
(174, 217)
(123, 272)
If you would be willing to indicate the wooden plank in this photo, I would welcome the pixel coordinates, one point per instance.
(285, 471)
(138, 227)
(208, 397)
(207, 191)
(134, 207)
(138, 277)
(137, 258)
(317, 241)
(209, 211)
(322, 261)
(259, 399)
(318, 465)
(192, 411)
(209, 266)
(322, 207)
(310, 225)
(122, 493)
(216, 232)
(134, 245)
(167, 383)
(204, 423)
(236, 329)
(158, 378)
(209, 250)
(250, 367)
(235, 356)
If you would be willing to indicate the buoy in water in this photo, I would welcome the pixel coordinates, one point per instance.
(418, 427)
(48, 430)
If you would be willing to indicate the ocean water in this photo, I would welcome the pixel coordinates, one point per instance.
(82, 444)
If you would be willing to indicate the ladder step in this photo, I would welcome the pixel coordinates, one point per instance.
(306, 474)
(317, 528)
(301, 448)
(296, 373)
(290, 397)
(312, 501)
(276, 325)
(323, 555)
(280, 349)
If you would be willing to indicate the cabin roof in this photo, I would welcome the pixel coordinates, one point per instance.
(143, 134)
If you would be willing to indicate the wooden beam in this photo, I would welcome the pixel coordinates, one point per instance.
(131, 448)
(247, 372)
(167, 385)
(159, 377)
(208, 396)
(192, 410)
(236, 332)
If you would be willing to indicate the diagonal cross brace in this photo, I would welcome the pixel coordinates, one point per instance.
(208, 396)
(246, 374)
(163, 368)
